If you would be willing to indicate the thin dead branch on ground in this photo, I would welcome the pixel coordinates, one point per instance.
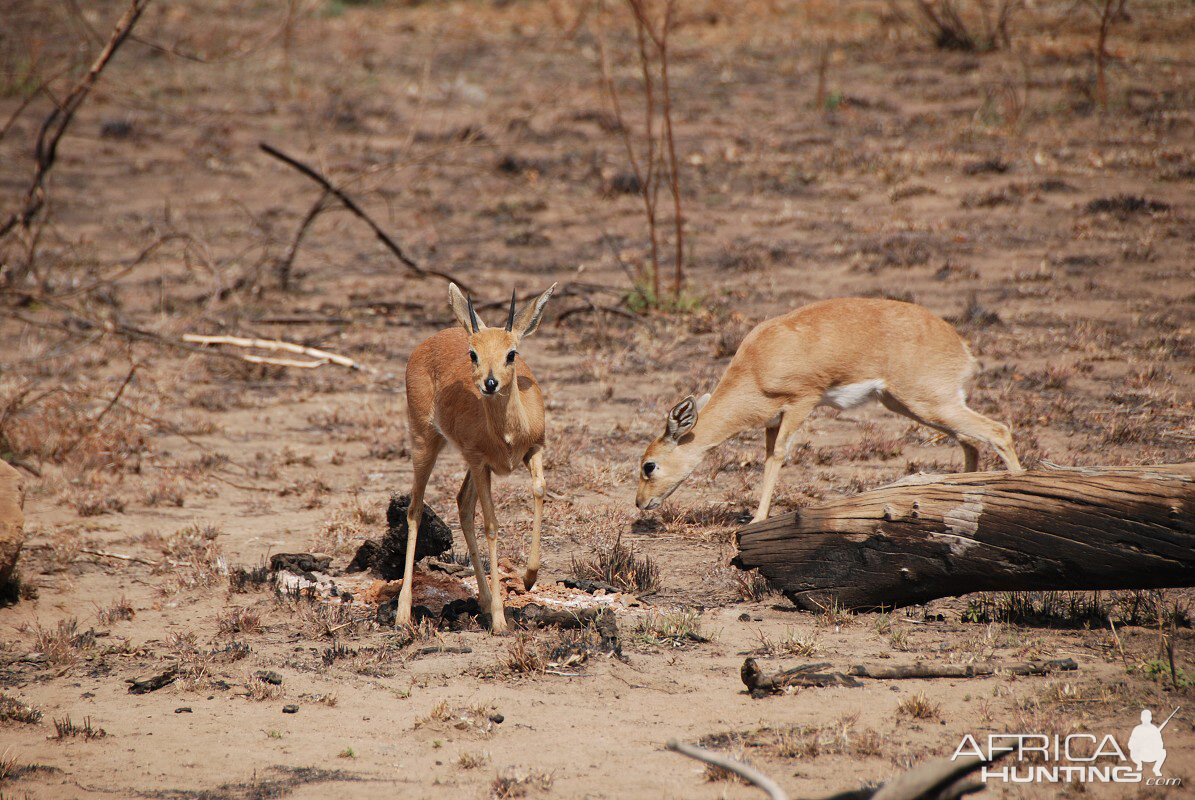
(744, 771)
(322, 356)
(351, 205)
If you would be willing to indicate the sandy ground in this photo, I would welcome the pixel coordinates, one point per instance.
(478, 135)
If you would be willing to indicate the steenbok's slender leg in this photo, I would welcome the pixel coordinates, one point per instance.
(481, 479)
(466, 506)
(426, 452)
(535, 464)
(777, 444)
(968, 423)
(968, 427)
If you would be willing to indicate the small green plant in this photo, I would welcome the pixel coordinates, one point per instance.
(642, 299)
(346, 753)
(1158, 669)
(273, 734)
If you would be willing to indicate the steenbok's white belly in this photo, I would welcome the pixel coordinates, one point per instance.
(849, 395)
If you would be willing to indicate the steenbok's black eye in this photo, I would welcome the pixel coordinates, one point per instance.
(473, 356)
(510, 357)
(648, 468)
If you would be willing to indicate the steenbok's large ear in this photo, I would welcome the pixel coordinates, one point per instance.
(681, 419)
(528, 319)
(462, 309)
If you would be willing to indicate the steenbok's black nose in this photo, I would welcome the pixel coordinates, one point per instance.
(491, 385)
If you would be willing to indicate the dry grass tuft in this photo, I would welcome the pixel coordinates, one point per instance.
(619, 566)
(63, 644)
(239, 620)
(122, 609)
(790, 645)
(525, 655)
(918, 706)
(751, 586)
(675, 629)
(13, 710)
(72, 425)
(194, 557)
(479, 718)
(472, 760)
(517, 782)
(64, 728)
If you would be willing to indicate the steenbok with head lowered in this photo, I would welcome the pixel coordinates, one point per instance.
(839, 353)
(468, 386)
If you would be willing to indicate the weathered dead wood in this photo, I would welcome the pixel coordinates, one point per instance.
(45, 150)
(944, 535)
(322, 356)
(759, 684)
(920, 669)
(12, 520)
(351, 205)
(744, 771)
(944, 779)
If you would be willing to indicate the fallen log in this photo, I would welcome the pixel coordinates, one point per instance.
(931, 536)
(920, 669)
(760, 684)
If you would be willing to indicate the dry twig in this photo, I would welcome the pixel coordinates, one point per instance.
(747, 773)
(352, 206)
(323, 356)
(46, 149)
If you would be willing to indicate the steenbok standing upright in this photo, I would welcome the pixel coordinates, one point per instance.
(839, 353)
(468, 386)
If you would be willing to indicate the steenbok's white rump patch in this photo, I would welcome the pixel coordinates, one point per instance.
(850, 395)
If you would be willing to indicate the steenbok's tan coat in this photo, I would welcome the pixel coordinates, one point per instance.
(838, 353)
(470, 387)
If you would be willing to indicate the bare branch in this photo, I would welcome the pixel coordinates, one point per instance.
(747, 773)
(352, 206)
(323, 356)
(55, 125)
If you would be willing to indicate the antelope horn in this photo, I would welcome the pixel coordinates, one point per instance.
(510, 320)
(473, 316)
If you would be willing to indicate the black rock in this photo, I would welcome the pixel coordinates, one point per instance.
(300, 563)
(591, 586)
(386, 613)
(291, 709)
(388, 556)
(457, 614)
(367, 556)
(183, 710)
